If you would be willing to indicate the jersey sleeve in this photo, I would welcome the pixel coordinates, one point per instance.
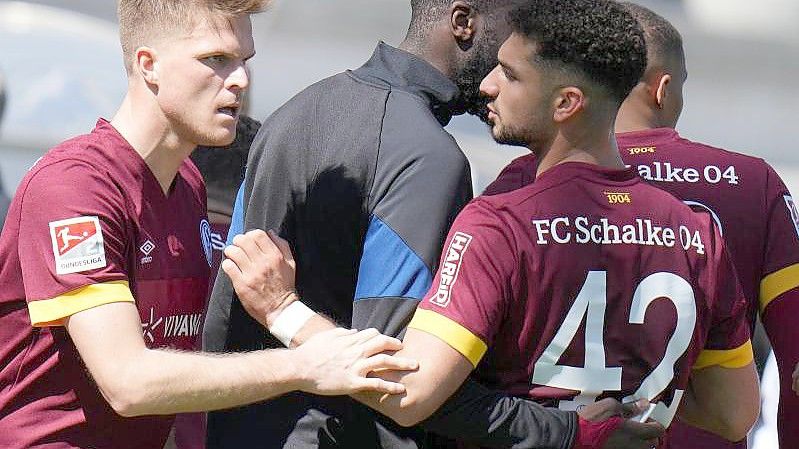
(469, 298)
(779, 298)
(728, 342)
(415, 197)
(73, 223)
(781, 256)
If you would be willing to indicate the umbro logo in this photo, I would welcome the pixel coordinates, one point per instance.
(146, 248)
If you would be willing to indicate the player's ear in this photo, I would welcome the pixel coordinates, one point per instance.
(146, 63)
(568, 101)
(661, 89)
(462, 22)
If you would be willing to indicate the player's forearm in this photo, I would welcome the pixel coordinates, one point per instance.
(418, 403)
(474, 414)
(168, 382)
(492, 419)
(441, 372)
(316, 324)
(724, 401)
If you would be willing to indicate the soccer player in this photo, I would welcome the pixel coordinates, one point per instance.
(754, 210)
(587, 283)
(752, 207)
(104, 259)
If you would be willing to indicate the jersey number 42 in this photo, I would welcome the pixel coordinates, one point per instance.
(595, 378)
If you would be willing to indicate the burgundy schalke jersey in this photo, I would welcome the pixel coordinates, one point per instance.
(588, 283)
(90, 225)
(760, 225)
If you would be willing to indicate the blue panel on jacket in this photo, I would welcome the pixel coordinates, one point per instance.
(389, 267)
(237, 220)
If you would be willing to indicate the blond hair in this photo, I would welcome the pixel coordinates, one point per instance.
(141, 21)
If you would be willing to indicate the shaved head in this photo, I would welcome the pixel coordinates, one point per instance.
(663, 41)
(657, 100)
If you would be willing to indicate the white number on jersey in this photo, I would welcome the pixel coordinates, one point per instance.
(595, 377)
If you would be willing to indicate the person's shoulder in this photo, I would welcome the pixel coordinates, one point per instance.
(331, 87)
(76, 155)
(510, 202)
(715, 153)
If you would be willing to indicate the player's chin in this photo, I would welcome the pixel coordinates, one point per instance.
(221, 138)
(496, 131)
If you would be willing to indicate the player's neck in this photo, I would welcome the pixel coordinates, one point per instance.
(597, 148)
(432, 50)
(635, 115)
(148, 132)
(633, 123)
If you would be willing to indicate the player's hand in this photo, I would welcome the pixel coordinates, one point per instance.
(339, 361)
(620, 432)
(262, 270)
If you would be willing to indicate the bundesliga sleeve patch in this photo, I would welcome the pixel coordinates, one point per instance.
(77, 244)
(450, 268)
(792, 210)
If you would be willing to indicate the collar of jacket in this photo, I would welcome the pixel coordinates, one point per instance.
(402, 70)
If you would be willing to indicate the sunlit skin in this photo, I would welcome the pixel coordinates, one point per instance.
(519, 95)
(657, 100)
(189, 87)
(202, 78)
(553, 113)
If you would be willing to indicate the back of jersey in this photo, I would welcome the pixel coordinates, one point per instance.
(752, 207)
(586, 284)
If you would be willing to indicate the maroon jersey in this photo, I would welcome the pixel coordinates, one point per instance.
(760, 226)
(587, 283)
(90, 225)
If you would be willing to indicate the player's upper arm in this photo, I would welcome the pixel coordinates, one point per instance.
(109, 341)
(723, 400)
(723, 392)
(475, 283)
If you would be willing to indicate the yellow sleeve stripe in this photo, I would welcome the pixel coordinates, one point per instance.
(728, 358)
(777, 283)
(51, 312)
(452, 333)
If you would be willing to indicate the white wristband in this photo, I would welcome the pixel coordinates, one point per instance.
(290, 321)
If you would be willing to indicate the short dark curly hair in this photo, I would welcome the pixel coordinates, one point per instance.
(597, 38)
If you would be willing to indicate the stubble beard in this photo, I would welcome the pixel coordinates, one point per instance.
(483, 59)
(510, 135)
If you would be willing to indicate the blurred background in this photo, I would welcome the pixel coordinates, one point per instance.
(63, 68)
